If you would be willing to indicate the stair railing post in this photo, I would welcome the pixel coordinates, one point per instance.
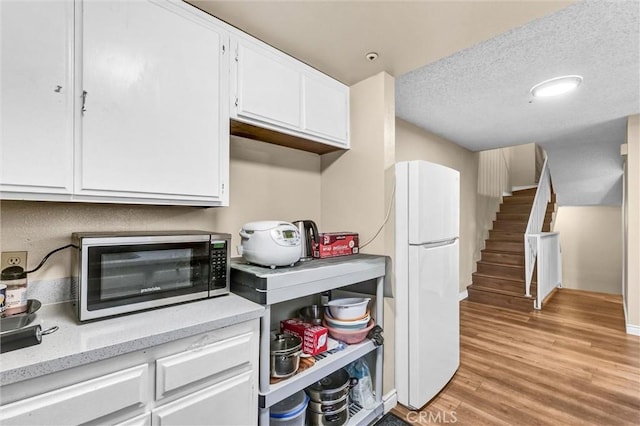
(535, 223)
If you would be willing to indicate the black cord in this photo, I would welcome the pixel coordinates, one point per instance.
(47, 257)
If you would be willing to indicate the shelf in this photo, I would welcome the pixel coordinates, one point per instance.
(361, 416)
(323, 367)
(269, 286)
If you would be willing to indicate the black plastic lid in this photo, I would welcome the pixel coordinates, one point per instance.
(13, 273)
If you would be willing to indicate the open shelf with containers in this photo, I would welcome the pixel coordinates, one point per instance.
(284, 290)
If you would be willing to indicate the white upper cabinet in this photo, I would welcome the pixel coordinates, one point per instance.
(269, 90)
(274, 91)
(36, 119)
(326, 108)
(154, 103)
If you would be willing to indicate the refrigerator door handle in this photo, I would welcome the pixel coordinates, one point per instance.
(439, 243)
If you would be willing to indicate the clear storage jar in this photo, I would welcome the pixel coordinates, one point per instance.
(15, 278)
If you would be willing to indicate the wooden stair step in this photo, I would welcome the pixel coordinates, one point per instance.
(509, 226)
(519, 216)
(505, 258)
(522, 208)
(504, 246)
(518, 199)
(511, 284)
(528, 191)
(515, 208)
(498, 235)
(501, 270)
(499, 298)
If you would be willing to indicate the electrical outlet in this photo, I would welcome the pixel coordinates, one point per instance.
(13, 258)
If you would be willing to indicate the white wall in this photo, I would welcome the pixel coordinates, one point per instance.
(591, 244)
(494, 180)
(522, 164)
(632, 292)
(357, 185)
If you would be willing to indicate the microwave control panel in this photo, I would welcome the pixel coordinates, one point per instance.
(219, 255)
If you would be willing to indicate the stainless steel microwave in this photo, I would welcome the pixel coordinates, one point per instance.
(122, 272)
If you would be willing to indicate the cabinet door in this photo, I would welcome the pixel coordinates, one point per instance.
(326, 108)
(231, 402)
(36, 118)
(82, 402)
(268, 86)
(155, 116)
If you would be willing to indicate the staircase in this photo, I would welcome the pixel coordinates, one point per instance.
(500, 276)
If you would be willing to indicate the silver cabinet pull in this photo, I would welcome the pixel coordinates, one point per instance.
(84, 101)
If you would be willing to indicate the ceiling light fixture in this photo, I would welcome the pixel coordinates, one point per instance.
(556, 86)
(372, 56)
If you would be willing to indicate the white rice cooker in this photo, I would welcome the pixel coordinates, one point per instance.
(270, 243)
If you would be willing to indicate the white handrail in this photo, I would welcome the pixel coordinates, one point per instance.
(536, 221)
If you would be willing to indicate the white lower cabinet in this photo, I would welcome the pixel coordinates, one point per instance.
(207, 379)
(224, 403)
(82, 402)
(141, 420)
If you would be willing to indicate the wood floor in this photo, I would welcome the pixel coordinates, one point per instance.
(571, 363)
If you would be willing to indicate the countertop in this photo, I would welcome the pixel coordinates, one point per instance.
(76, 344)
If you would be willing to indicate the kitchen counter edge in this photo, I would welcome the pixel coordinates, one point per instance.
(76, 344)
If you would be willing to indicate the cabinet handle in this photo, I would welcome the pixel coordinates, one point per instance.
(57, 89)
(84, 101)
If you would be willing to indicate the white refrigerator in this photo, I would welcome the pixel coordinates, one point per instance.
(427, 211)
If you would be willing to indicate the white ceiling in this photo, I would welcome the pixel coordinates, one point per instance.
(335, 35)
(464, 69)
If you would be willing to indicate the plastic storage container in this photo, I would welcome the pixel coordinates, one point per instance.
(290, 411)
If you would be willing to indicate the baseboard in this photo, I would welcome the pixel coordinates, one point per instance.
(389, 400)
(633, 329)
(463, 295)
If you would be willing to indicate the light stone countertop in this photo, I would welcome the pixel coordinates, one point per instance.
(76, 344)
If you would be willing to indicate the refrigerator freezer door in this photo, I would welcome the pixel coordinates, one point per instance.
(434, 329)
(434, 202)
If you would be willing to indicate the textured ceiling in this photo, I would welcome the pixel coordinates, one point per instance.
(479, 97)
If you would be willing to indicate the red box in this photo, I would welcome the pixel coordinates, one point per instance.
(336, 244)
(314, 337)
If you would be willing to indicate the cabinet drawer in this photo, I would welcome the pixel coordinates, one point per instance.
(176, 371)
(141, 420)
(230, 402)
(82, 402)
